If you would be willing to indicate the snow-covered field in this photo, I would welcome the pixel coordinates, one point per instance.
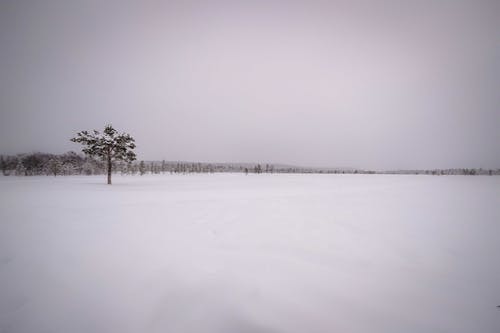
(258, 253)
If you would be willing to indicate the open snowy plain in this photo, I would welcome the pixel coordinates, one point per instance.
(258, 253)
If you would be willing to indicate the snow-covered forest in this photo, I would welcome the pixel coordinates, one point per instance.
(71, 163)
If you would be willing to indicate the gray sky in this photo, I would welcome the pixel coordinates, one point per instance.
(370, 84)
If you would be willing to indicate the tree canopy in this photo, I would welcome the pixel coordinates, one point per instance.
(108, 145)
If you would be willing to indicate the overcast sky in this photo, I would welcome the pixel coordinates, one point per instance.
(368, 84)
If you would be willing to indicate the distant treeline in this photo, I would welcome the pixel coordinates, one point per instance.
(71, 163)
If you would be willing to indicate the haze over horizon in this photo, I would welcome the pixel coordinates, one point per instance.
(365, 84)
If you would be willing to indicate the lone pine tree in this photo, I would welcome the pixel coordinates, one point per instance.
(109, 145)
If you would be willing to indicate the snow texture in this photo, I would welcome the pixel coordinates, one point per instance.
(257, 253)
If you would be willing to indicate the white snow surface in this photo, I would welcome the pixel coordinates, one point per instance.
(257, 253)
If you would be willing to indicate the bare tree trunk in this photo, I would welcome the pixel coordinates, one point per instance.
(109, 168)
